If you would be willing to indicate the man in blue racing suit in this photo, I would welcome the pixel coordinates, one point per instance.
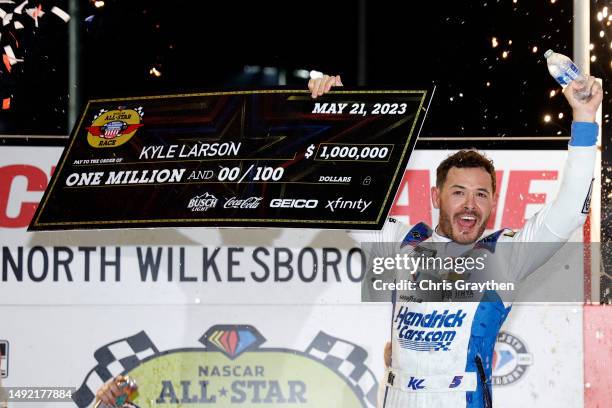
(440, 353)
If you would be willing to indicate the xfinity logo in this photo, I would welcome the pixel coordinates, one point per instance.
(202, 202)
(245, 203)
(340, 203)
(293, 203)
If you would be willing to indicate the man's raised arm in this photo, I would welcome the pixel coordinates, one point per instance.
(568, 211)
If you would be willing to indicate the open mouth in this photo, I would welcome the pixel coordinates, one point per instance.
(467, 221)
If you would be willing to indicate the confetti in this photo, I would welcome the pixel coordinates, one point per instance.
(35, 13)
(9, 52)
(60, 13)
(6, 103)
(7, 19)
(7, 62)
(9, 56)
(155, 72)
(20, 7)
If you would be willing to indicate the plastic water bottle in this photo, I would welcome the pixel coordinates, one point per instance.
(565, 71)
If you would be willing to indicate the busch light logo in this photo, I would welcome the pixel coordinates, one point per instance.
(416, 331)
(202, 202)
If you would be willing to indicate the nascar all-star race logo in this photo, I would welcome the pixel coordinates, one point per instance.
(114, 128)
(510, 359)
(232, 369)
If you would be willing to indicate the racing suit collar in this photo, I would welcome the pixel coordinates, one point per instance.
(435, 237)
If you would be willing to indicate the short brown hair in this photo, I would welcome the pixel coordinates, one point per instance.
(465, 159)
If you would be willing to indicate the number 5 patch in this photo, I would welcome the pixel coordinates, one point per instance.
(456, 381)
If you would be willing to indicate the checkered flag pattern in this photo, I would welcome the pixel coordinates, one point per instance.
(348, 360)
(116, 358)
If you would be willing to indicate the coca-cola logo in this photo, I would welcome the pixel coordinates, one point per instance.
(243, 203)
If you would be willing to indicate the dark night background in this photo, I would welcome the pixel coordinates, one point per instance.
(198, 45)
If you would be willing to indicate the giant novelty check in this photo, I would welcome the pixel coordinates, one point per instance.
(269, 158)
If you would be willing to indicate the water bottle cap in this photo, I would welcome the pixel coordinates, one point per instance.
(548, 53)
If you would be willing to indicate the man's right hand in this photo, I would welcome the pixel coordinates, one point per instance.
(109, 392)
(320, 86)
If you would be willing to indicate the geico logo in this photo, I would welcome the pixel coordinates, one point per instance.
(293, 203)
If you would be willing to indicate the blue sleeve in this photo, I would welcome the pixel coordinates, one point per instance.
(584, 134)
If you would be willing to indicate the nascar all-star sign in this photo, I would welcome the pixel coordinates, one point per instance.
(232, 368)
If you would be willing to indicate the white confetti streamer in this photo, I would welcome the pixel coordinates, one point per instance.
(9, 51)
(60, 13)
(2, 13)
(35, 13)
(18, 25)
(11, 55)
(20, 7)
(7, 19)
